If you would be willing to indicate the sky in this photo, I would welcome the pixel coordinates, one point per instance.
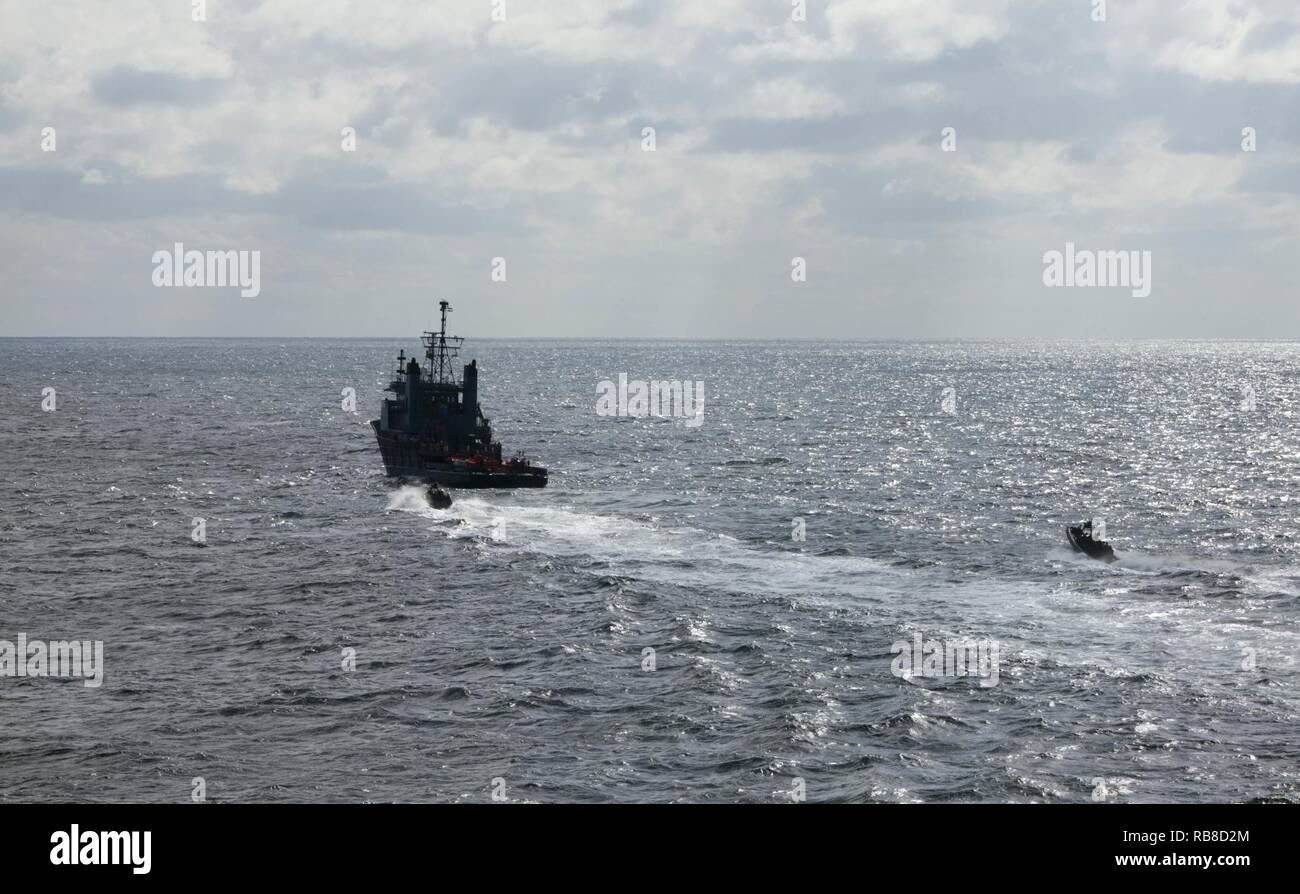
(501, 162)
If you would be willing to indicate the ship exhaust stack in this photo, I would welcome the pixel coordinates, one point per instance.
(470, 404)
(412, 392)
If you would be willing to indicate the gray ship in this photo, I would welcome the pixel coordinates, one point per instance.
(433, 429)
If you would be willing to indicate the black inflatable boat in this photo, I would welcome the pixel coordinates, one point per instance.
(1080, 537)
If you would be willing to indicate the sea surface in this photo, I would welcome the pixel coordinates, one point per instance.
(501, 646)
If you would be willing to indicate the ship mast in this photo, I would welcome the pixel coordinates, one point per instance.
(440, 374)
(441, 350)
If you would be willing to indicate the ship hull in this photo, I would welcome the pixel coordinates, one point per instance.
(448, 477)
(403, 459)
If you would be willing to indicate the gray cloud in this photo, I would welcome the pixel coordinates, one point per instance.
(127, 86)
(64, 193)
(342, 200)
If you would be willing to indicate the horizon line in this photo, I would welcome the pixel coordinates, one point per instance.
(674, 338)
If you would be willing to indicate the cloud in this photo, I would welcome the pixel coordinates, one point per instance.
(477, 138)
(127, 86)
(1255, 42)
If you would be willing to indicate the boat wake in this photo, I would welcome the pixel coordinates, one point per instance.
(682, 556)
(1181, 569)
(906, 598)
(411, 499)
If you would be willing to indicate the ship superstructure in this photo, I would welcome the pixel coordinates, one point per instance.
(433, 428)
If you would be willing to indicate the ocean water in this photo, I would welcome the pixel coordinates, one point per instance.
(500, 645)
